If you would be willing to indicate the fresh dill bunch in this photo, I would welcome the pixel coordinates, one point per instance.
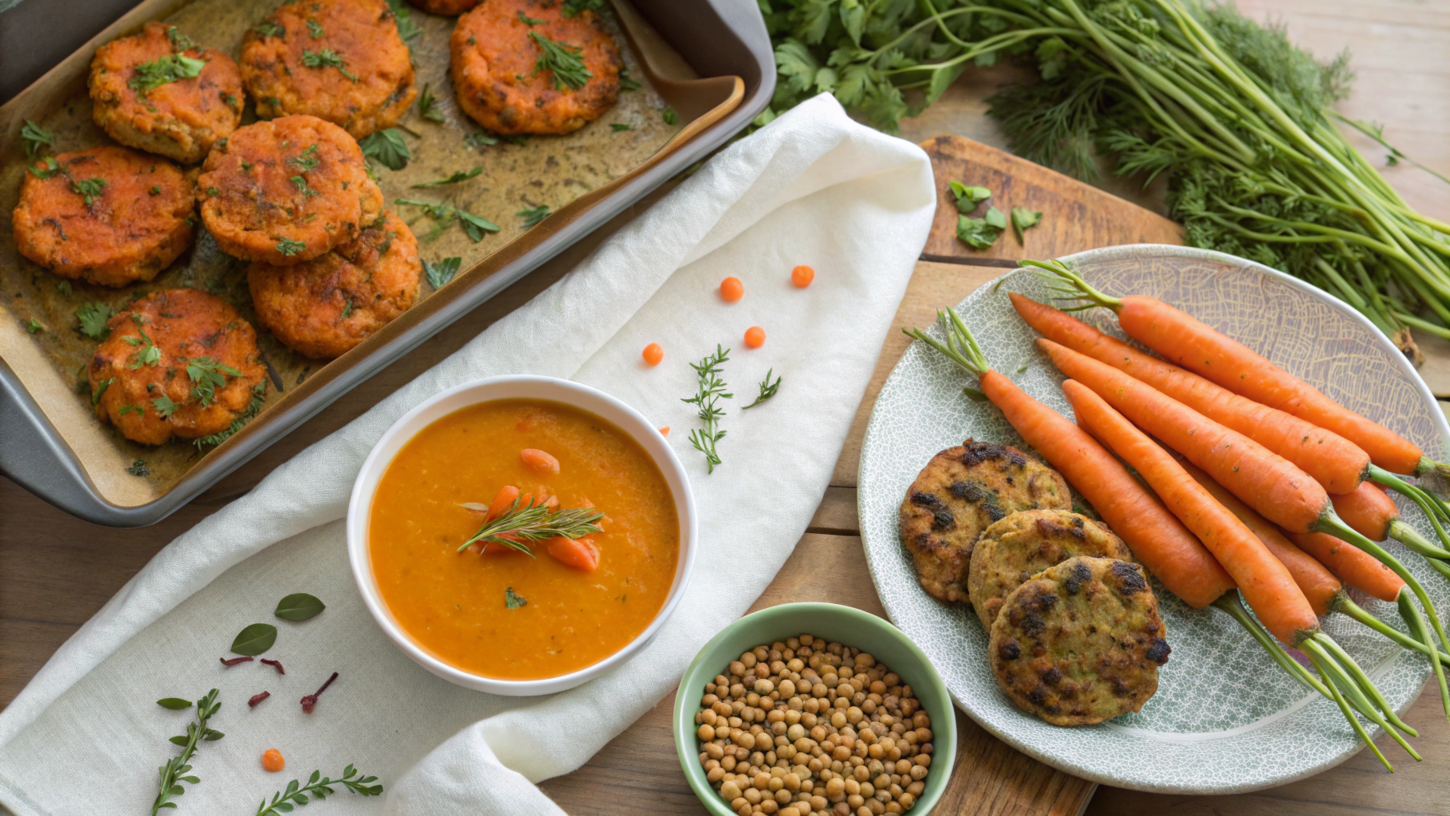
(706, 401)
(535, 521)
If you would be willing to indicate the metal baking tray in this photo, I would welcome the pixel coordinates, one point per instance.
(708, 60)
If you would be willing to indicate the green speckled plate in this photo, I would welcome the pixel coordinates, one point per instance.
(1225, 718)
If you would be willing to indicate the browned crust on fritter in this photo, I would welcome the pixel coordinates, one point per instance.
(135, 226)
(252, 203)
(1023, 544)
(181, 119)
(324, 307)
(446, 8)
(959, 493)
(1080, 643)
(362, 33)
(183, 325)
(494, 60)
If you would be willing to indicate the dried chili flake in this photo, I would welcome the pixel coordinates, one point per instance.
(252, 703)
(235, 660)
(276, 664)
(310, 701)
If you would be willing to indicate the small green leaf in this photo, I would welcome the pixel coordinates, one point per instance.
(995, 218)
(255, 639)
(173, 703)
(512, 599)
(178, 740)
(1024, 219)
(299, 607)
(441, 273)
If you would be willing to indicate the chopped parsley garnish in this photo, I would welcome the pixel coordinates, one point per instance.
(533, 215)
(165, 406)
(441, 273)
(101, 389)
(88, 188)
(34, 326)
(529, 21)
(407, 29)
(315, 28)
(155, 190)
(512, 599)
(179, 41)
(326, 58)
(267, 28)
(627, 82)
(427, 106)
(561, 59)
(301, 182)
(618, 126)
(573, 7)
(131, 409)
(138, 468)
(259, 398)
(461, 175)
(289, 247)
(51, 167)
(147, 353)
(443, 215)
(35, 138)
(347, 309)
(93, 317)
(306, 160)
(669, 115)
(480, 139)
(152, 75)
(387, 148)
(207, 375)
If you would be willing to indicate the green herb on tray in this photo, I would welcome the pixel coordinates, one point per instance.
(428, 106)
(441, 273)
(254, 406)
(35, 138)
(443, 215)
(386, 147)
(533, 215)
(407, 29)
(461, 175)
(139, 468)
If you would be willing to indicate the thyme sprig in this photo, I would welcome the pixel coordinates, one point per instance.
(517, 526)
(318, 787)
(767, 389)
(706, 401)
(176, 770)
(563, 60)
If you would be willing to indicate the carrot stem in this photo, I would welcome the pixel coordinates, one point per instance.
(1352, 687)
(1331, 524)
(1416, 622)
(1338, 698)
(1406, 534)
(1345, 605)
(1071, 283)
(1362, 680)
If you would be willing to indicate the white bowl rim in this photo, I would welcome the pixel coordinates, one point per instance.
(570, 393)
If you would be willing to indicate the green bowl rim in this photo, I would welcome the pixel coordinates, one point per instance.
(935, 688)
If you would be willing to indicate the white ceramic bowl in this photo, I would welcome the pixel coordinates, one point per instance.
(625, 418)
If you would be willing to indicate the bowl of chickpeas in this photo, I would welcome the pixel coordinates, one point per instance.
(814, 709)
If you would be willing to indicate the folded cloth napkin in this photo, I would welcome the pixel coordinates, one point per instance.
(86, 735)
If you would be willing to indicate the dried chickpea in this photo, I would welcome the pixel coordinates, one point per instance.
(804, 726)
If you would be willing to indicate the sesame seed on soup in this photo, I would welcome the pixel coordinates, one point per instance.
(502, 614)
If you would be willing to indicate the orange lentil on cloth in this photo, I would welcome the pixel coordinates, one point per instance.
(272, 760)
(802, 276)
(653, 354)
(755, 337)
(732, 289)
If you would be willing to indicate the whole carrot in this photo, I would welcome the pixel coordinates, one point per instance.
(1184, 340)
(1353, 565)
(1264, 480)
(1201, 576)
(1156, 538)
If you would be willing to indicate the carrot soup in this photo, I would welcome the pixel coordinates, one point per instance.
(498, 612)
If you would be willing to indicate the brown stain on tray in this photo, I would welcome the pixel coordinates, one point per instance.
(543, 170)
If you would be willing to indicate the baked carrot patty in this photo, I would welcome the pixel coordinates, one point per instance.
(107, 215)
(522, 66)
(324, 307)
(178, 362)
(286, 191)
(339, 60)
(158, 91)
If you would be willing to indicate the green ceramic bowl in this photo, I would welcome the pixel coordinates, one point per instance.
(842, 624)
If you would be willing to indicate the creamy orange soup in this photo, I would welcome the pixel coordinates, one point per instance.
(454, 604)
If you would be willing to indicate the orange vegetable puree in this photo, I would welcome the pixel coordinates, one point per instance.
(452, 603)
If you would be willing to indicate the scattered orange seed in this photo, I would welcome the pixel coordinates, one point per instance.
(755, 337)
(665, 431)
(653, 354)
(272, 760)
(732, 289)
(802, 276)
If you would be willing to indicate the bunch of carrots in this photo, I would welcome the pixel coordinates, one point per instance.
(1250, 483)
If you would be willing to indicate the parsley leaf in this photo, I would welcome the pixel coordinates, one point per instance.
(427, 105)
(461, 175)
(326, 58)
(88, 188)
(314, 28)
(50, 167)
(171, 68)
(441, 273)
(969, 197)
(387, 148)
(529, 21)
(179, 41)
(146, 352)
(34, 326)
(562, 60)
(288, 247)
(480, 139)
(268, 28)
(1024, 219)
(618, 126)
(138, 468)
(35, 138)
(534, 215)
(407, 29)
(207, 375)
(307, 159)
(259, 399)
(164, 405)
(93, 317)
(670, 116)
(574, 7)
(627, 82)
(512, 599)
(443, 215)
(981, 233)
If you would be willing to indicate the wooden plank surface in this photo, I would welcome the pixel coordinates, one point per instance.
(56, 571)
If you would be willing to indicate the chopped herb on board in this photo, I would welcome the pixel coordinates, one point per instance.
(1024, 219)
(981, 233)
(968, 197)
(35, 138)
(512, 599)
(711, 391)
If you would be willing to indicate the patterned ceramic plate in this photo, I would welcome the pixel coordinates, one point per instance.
(1225, 718)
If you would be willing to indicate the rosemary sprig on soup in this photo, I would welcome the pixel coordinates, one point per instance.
(532, 522)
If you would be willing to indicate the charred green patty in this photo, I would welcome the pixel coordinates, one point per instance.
(961, 492)
(1023, 544)
(1081, 643)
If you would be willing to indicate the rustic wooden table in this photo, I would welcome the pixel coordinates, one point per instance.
(56, 571)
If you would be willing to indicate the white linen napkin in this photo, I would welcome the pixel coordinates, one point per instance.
(86, 736)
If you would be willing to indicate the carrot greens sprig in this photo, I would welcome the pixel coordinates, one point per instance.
(535, 521)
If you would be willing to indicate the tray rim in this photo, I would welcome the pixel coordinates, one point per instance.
(35, 455)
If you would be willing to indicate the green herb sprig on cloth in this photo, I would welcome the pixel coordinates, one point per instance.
(318, 788)
(706, 401)
(177, 769)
